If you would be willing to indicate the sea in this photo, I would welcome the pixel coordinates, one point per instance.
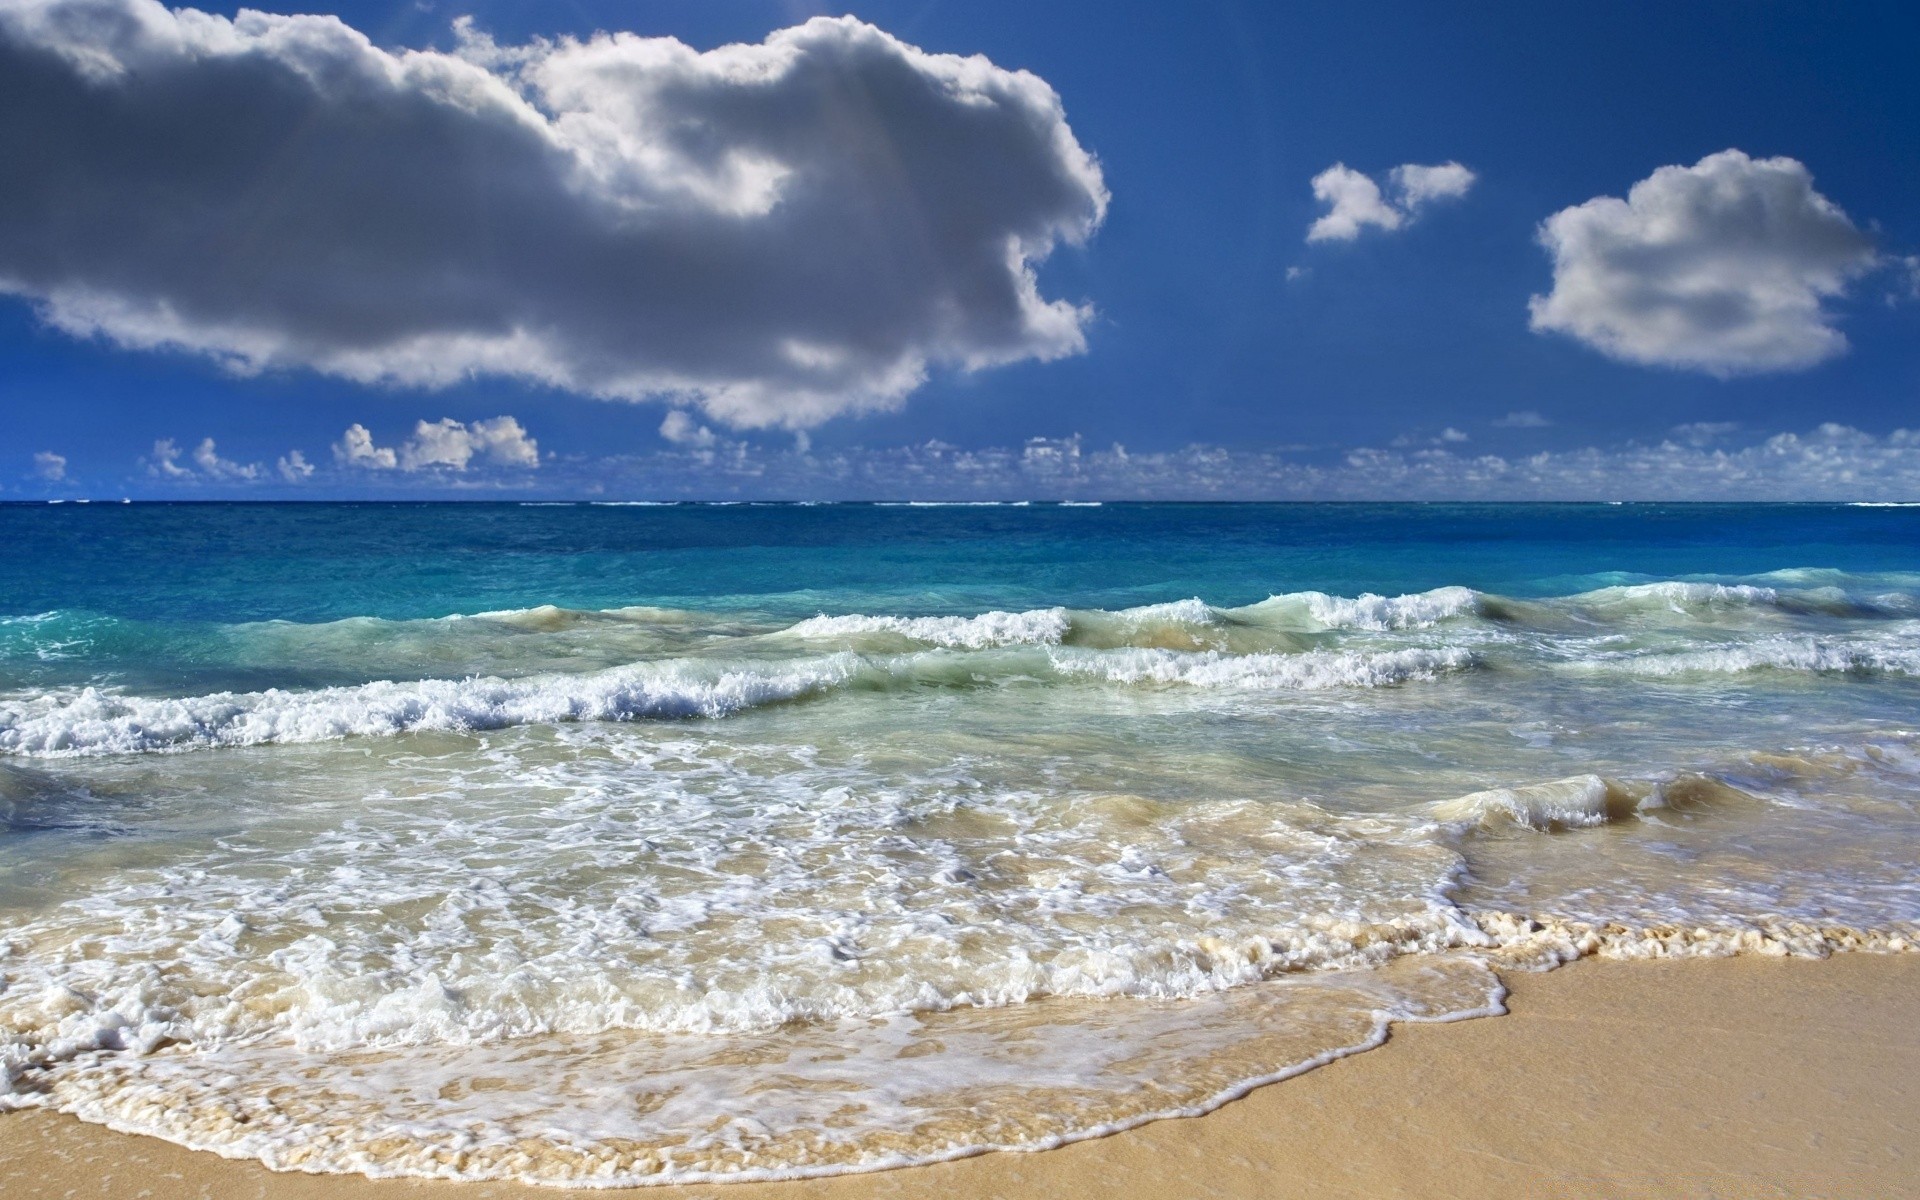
(598, 844)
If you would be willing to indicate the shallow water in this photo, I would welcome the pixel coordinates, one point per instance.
(630, 844)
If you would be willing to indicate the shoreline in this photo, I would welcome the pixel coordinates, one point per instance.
(1741, 1076)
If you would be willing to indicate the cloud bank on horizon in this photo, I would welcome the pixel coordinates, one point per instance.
(1712, 460)
(779, 233)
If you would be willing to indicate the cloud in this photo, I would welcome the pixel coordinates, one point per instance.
(165, 461)
(1354, 201)
(779, 233)
(1909, 269)
(49, 466)
(446, 443)
(1446, 437)
(294, 467)
(225, 469)
(356, 449)
(1831, 462)
(1701, 433)
(207, 465)
(1722, 267)
(682, 430)
(1521, 420)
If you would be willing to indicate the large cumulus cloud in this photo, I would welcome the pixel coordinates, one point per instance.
(779, 232)
(1723, 267)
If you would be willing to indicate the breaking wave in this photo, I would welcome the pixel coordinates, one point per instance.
(96, 722)
(92, 721)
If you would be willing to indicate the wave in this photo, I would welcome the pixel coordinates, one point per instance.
(96, 722)
(1367, 611)
(1314, 670)
(1037, 628)
(72, 634)
(1579, 801)
(1808, 655)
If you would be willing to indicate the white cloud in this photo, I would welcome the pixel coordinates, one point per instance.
(1451, 436)
(446, 443)
(1521, 420)
(165, 461)
(778, 233)
(449, 443)
(208, 460)
(356, 449)
(1720, 267)
(1909, 268)
(1354, 201)
(1417, 185)
(49, 466)
(682, 430)
(294, 467)
(207, 465)
(1701, 433)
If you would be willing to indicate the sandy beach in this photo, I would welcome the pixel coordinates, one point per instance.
(1741, 1077)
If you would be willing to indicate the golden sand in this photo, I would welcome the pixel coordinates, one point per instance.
(1747, 1077)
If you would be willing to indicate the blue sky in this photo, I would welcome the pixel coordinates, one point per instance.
(1227, 354)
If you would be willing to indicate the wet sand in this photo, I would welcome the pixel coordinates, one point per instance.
(1744, 1077)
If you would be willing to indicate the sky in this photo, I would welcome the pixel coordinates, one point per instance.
(940, 250)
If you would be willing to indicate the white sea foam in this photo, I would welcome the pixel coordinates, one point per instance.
(1193, 611)
(97, 722)
(1314, 670)
(1368, 611)
(1800, 654)
(1038, 627)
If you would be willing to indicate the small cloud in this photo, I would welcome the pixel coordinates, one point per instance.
(682, 430)
(1446, 437)
(356, 449)
(1521, 420)
(1354, 201)
(49, 466)
(294, 467)
(1416, 185)
(449, 443)
(1907, 286)
(1699, 433)
(165, 461)
(1294, 273)
(224, 469)
(446, 443)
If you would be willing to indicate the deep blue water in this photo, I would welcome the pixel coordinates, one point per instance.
(222, 563)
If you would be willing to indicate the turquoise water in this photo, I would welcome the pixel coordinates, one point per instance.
(631, 843)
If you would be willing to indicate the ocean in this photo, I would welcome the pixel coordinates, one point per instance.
(610, 844)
